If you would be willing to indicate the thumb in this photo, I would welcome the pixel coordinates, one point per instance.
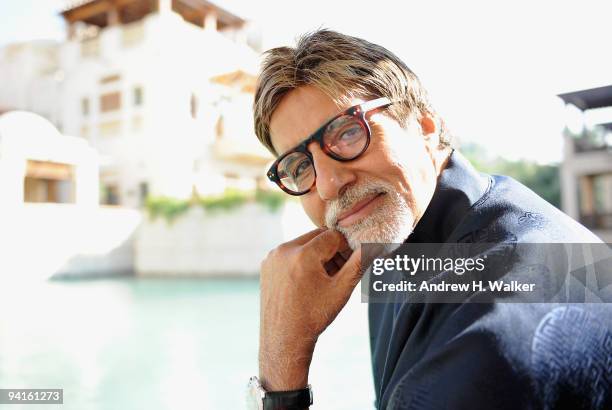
(351, 273)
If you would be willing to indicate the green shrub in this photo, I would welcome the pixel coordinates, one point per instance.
(230, 199)
(542, 179)
(168, 208)
(171, 208)
(272, 200)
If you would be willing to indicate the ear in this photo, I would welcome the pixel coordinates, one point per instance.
(428, 125)
(430, 128)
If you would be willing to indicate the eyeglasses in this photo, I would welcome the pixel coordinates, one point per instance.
(343, 138)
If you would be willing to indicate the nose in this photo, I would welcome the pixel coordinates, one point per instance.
(332, 175)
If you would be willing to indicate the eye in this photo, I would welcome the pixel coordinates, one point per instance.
(350, 135)
(300, 169)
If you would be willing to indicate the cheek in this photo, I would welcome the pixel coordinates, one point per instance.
(409, 151)
(409, 165)
(418, 175)
(407, 160)
(314, 208)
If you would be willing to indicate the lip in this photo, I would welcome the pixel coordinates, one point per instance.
(359, 210)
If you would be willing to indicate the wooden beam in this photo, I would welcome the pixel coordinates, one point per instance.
(223, 15)
(48, 170)
(87, 10)
(191, 14)
(93, 8)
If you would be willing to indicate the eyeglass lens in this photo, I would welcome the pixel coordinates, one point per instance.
(345, 138)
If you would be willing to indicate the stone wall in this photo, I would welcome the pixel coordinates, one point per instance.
(215, 243)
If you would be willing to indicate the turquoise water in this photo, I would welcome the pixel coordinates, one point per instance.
(130, 343)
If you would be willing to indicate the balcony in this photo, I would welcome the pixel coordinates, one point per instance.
(597, 221)
(90, 47)
(598, 138)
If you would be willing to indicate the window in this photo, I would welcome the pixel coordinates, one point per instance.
(48, 182)
(137, 123)
(143, 192)
(131, 33)
(138, 97)
(219, 128)
(110, 101)
(90, 47)
(110, 195)
(84, 131)
(110, 79)
(85, 106)
(193, 103)
(109, 128)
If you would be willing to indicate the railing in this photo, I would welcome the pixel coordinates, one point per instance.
(597, 220)
(133, 33)
(90, 47)
(593, 139)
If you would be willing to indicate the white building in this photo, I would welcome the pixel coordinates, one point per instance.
(160, 88)
(28, 78)
(40, 165)
(51, 223)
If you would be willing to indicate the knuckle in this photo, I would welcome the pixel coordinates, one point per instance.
(263, 265)
(278, 252)
(301, 259)
(282, 247)
(337, 238)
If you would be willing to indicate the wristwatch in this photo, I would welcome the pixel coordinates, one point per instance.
(260, 399)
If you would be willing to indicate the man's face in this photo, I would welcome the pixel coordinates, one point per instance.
(375, 198)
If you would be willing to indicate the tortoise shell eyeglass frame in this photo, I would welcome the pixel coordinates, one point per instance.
(358, 112)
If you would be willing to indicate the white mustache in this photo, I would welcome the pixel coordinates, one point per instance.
(349, 198)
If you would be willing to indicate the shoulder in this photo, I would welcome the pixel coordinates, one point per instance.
(511, 211)
(507, 356)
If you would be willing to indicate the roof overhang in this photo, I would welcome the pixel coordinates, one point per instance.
(591, 98)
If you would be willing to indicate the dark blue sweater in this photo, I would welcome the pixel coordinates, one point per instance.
(492, 355)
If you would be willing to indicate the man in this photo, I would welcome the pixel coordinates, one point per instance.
(358, 141)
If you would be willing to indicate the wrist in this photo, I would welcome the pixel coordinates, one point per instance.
(258, 398)
(282, 370)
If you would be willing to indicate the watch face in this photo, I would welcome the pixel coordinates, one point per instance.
(255, 394)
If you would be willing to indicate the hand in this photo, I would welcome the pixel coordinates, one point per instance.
(304, 285)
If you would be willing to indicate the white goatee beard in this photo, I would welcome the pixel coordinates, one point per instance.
(390, 222)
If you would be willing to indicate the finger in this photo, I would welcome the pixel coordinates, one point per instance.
(334, 264)
(346, 254)
(351, 273)
(339, 259)
(305, 238)
(326, 245)
(331, 267)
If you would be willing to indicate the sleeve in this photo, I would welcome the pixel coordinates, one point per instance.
(468, 372)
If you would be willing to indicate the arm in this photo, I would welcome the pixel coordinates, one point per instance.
(304, 285)
(470, 371)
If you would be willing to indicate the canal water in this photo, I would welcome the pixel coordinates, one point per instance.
(140, 343)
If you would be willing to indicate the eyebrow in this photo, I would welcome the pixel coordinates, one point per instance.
(365, 106)
(325, 123)
(291, 160)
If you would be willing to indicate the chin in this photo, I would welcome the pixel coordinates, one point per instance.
(383, 226)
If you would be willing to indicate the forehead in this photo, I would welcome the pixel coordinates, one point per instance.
(300, 113)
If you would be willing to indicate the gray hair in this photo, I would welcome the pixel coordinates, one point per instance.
(344, 68)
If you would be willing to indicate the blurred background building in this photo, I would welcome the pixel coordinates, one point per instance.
(156, 95)
(159, 88)
(586, 169)
(40, 165)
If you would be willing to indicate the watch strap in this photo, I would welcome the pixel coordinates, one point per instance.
(288, 400)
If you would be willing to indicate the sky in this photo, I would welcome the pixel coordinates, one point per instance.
(493, 69)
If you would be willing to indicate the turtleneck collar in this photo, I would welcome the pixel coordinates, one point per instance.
(459, 187)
